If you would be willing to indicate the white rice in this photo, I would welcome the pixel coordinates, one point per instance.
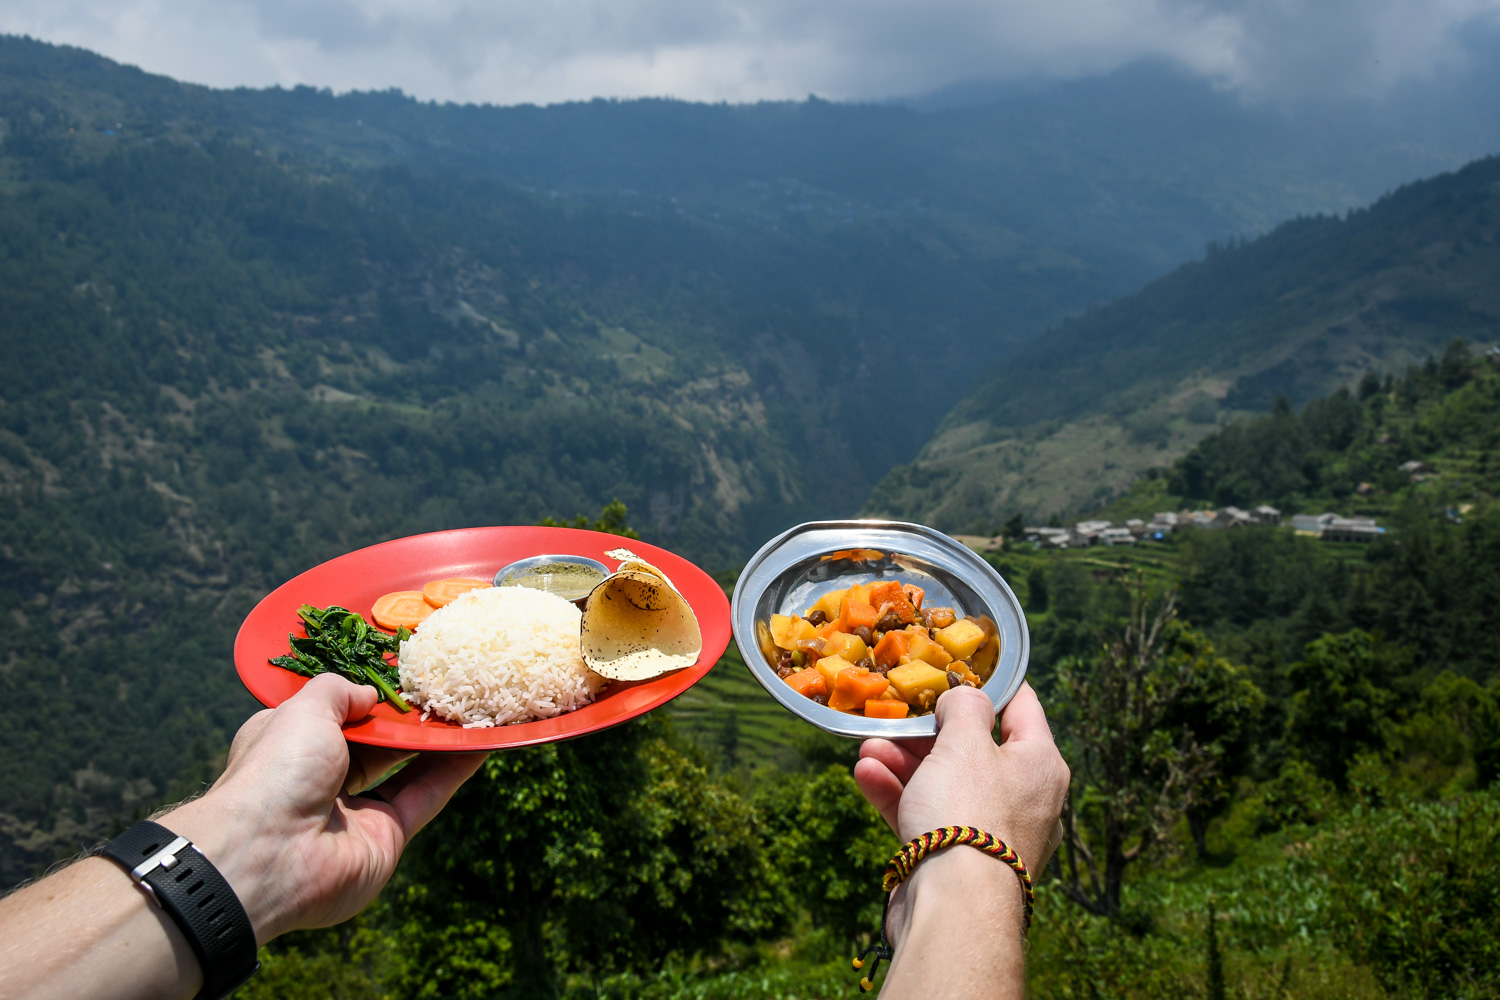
(498, 655)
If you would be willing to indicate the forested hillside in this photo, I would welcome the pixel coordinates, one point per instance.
(1079, 413)
(254, 329)
(230, 368)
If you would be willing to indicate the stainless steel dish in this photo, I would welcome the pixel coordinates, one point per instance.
(569, 577)
(792, 569)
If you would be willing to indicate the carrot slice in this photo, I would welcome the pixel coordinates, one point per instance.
(404, 607)
(885, 708)
(439, 593)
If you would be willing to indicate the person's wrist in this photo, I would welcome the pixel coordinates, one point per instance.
(236, 842)
(960, 880)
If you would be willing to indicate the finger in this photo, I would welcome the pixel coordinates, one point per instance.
(368, 765)
(880, 788)
(965, 716)
(420, 789)
(332, 697)
(901, 759)
(1024, 718)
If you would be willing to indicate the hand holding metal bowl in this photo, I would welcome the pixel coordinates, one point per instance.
(793, 569)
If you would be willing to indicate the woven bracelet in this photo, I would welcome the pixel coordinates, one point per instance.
(906, 860)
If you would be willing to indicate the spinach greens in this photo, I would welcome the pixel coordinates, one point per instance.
(341, 641)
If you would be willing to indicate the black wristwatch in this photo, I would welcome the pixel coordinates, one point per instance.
(180, 879)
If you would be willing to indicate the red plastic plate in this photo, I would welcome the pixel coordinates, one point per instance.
(355, 581)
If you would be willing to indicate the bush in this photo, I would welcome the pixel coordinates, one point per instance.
(1414, 891)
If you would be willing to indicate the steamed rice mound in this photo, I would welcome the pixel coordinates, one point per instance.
(496, 656)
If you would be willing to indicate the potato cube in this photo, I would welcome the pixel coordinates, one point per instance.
(804, 630)
(914, 678)
(829, 604)
(923, 648)
(850, 647)
(829, 667)
(781, 631)
(961, 639)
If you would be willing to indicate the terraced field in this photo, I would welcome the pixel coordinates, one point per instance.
(730, 712)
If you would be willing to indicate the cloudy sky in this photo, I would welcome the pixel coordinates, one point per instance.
(511, 51)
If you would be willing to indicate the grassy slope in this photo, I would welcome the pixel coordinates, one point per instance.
(1075, 418)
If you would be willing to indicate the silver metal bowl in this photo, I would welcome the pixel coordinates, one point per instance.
(567, 576)
(791, 570)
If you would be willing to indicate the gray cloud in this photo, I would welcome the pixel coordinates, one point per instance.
(506, 51)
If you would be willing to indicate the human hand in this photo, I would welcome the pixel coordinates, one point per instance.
(962, 778)
(283, 824)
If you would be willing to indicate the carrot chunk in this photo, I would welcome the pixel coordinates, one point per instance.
(854, 686)
(891, 647)
(914, 595)
(440, 593)
(855, 614)
(808, 682)
(404, 607)
(885, 708)
(891, 596)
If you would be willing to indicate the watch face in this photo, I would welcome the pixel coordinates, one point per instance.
(357, 580)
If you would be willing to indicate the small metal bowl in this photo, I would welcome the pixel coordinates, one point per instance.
(573, 580)
(791, 570)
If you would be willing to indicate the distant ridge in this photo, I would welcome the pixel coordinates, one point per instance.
(1074, 416)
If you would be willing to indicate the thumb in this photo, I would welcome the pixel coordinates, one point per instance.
(965, 716)
(332, 697)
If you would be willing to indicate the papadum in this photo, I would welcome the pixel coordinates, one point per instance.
(636, 625)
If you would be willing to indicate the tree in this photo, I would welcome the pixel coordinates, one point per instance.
(1015, 526)
(604, 853)
(1036, 590)
(832, 848)
(1132, 714)
(1342, 702)
(610, 519)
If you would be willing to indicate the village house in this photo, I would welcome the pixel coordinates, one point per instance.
(1330, 527)
(1048, 538)
(1086, 533)
(1233, 517)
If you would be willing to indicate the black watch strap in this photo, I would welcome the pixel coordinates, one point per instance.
(197, 897)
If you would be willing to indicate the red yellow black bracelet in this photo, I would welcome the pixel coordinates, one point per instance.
(907, 859)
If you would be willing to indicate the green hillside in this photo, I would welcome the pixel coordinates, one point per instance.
(1081, 412)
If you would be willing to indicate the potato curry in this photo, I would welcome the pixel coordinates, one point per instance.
(874, 650)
